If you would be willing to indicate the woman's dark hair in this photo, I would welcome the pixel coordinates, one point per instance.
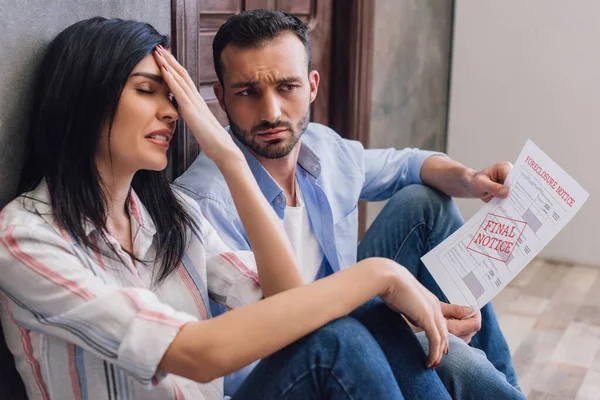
(77, 92)
(252, 28)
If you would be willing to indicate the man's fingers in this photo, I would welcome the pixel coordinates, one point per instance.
(455, 311)
(487, 198)
(488, 187)
(467, 339)
(463, 327)
(502, 171)
(489, 182)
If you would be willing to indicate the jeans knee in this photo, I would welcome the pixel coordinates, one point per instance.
(344, 334)
(465, 365)
(467, 373)
(433, 205)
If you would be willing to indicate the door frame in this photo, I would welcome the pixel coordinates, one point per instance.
(352, 65)
(185, 24)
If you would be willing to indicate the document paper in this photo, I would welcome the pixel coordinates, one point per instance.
(477, 261)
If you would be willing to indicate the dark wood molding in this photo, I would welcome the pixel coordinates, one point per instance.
(185, 23)
(352, 72)
(352, 64)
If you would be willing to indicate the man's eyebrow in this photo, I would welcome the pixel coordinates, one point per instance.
(244, 84)
(289, 79)
(156, 78)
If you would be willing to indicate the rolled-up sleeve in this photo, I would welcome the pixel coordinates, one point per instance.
(389, 170)
(53, 292)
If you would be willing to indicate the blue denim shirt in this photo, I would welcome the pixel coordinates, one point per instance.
(333, 174)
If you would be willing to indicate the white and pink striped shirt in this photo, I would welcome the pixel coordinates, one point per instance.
(85, 326)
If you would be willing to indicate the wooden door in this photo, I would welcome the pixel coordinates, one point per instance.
(195, 24)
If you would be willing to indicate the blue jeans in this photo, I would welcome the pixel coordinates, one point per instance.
(415, 220)
(342, 360)
(373, 354)
(468, 375)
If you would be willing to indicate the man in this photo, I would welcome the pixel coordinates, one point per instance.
(313, 178)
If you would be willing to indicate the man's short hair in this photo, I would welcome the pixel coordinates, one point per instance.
(252, 28)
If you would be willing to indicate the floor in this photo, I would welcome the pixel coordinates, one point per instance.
(550, 315)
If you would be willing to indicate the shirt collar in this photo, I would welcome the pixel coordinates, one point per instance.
(307, 159)
(139, 216)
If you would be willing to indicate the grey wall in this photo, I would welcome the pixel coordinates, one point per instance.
(410, 75)
(26, 27)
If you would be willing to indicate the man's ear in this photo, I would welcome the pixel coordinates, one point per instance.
(313, 81)
(220, 95)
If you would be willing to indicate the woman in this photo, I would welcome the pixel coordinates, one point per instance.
(105, 271)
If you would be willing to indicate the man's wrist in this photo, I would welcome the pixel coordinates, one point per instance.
(466, 178)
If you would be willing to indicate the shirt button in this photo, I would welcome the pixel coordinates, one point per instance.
(304, 174)
(278, 200)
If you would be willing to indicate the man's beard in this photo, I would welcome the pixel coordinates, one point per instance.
(276, 148)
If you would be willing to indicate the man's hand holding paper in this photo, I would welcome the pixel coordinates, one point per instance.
(537, 200)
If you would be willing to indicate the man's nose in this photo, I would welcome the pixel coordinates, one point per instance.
(271, 110)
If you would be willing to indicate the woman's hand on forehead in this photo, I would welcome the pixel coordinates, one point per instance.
(211, 136)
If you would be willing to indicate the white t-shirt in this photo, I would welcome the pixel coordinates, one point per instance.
(304, 241)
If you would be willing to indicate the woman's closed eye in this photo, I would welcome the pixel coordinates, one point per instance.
(144, 90)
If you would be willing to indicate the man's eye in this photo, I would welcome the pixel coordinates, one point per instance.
(288, 88)
(247, 92)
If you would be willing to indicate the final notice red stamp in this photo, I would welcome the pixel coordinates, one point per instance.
(497, 237)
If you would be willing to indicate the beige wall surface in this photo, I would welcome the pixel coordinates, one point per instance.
(531, 69)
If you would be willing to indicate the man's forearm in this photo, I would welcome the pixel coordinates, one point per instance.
(447, 176)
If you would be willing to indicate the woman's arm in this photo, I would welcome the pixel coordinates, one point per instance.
(205, 350)
(275, 261)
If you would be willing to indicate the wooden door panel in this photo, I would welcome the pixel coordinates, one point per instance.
(220, 6)
(212, 14)
(302, 7)
(315, 13)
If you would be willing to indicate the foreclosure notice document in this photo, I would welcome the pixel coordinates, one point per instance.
(490, 249)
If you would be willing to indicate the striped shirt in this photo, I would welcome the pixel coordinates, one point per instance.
(83, 325)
